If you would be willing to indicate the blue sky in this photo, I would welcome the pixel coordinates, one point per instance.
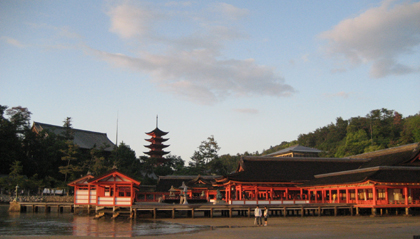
(250, 73)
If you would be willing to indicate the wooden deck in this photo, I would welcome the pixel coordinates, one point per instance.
(160, 210)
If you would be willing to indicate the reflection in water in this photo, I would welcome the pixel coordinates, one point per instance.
(42, 224)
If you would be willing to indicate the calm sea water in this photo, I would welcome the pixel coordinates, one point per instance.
(54, 223)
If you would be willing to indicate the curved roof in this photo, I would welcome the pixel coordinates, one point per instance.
(296, 148)
(288, 169)
(157, 132)
(83, 138)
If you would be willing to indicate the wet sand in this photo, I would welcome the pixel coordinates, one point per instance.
(295, 227)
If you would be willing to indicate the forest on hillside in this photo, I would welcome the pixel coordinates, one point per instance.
(379, 129)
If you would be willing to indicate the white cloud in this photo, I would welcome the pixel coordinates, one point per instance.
(13, 42)
(378, 37)
(128, 21)
(192, 65)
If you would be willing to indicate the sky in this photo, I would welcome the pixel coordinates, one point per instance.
(250, 73)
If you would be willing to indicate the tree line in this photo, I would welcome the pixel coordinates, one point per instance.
(45, 160)
(379, 129)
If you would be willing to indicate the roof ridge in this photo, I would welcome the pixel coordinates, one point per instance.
(362, 170)
(61, 127)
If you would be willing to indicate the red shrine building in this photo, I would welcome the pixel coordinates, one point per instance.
(388, 178)
(110, 189)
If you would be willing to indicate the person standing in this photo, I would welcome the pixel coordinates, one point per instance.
(258, 214)
(265, 216)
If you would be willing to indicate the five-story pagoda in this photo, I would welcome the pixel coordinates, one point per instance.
(156, 144)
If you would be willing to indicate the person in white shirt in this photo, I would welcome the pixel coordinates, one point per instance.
(258, 214)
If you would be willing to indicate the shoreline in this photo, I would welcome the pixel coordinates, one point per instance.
(290, 227)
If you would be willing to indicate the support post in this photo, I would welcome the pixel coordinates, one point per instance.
(285, 212)
(211, 212)
(154, 213)
(173, 213)
(230, 212)
(357, 211)
(192, 212)
(319, 211)
(335, 211)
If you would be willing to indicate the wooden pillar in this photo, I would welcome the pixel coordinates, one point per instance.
(407, 211)
(284, 212)
(351, 211)
(192, 212)
(249, 212)
(356, 192)
(386, 196)
(302, 213)
(335, 211)
(154, 213)
(357, 211)
(347, 196)
(375, 195)
(287, 193)
(319, 211)
(406, 195)
(373, 212)
(211, 212)
(230, 212)
(173, 213)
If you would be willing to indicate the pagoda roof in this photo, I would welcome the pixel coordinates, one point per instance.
(156, 140)
(157, 146)
(159, 153)
(157, 132)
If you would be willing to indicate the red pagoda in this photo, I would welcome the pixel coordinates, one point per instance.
(156, 144)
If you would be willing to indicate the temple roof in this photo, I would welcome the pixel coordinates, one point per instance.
(288, 169)
(400, 155)
(296, 148)
(384, 174)
(83, 138)
(165, 182)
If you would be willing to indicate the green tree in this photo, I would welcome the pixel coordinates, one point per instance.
(207, 151)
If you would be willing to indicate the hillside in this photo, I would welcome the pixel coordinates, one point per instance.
(381, 128)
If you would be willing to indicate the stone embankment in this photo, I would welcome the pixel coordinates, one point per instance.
(8, 199)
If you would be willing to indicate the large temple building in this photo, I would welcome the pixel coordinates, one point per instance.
(388, 178)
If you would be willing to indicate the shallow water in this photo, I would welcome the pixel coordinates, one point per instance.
(54, 223)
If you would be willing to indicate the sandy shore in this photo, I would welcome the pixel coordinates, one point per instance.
(295, 227)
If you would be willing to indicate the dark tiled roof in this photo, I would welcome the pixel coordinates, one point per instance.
(386, 174)
(390, 157)
(296, 148)
(286, 169)
(83, 138)
(165, 182)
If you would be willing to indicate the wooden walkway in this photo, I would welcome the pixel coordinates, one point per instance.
(246, 210)
(46, 206)
(197, 210)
